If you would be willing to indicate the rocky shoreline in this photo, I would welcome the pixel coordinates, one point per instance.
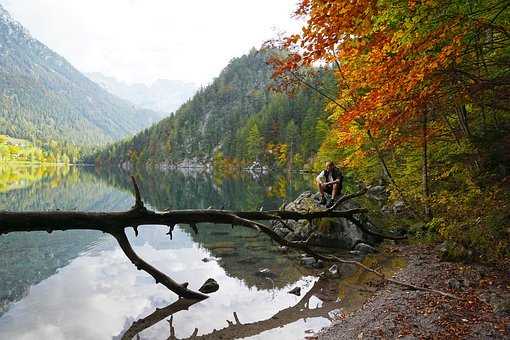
(481, 312)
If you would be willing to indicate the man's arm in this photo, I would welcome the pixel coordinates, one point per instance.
(321, 178)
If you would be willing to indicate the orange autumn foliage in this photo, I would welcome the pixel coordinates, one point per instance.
(388, 73)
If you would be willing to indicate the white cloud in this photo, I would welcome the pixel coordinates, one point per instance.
(143, 40)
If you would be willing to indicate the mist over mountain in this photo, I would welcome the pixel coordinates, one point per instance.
(43, 97)
(163, 96)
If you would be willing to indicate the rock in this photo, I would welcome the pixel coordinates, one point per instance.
(386, 209)
(333, 270)
(377, 191)
(365, 248)
(207, 259)
(265, 272)
(312, 262)
(330, 232)
(295, 291)
(319, 264)
(282, 232)
(209, 286)
(308, 261)
(454, 284)
(355, 252)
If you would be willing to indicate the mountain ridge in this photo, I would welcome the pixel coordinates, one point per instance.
(43, 97)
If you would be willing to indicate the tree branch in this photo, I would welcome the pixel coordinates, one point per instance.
(140, 264)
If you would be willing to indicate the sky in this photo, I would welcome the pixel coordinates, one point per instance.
(145, 40)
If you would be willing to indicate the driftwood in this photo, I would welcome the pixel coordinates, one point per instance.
(115, 224)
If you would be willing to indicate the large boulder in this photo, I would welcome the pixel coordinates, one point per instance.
(329, 232)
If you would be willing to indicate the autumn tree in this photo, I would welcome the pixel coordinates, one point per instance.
(423, 88)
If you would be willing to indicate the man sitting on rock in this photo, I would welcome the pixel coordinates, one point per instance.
(330, 181)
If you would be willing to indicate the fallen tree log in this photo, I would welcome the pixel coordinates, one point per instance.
(115, 224)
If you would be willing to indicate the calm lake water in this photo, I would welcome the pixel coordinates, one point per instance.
(79, 284)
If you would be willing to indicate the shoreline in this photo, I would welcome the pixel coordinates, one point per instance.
(45, 164)
(482, 311)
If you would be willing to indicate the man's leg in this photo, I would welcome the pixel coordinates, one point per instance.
(321, 190)
(336, 191)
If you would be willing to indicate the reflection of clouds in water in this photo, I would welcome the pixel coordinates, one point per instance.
(295, 330)
(96, 297)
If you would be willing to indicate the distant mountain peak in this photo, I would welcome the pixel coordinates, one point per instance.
(163, 95)
(43, 97)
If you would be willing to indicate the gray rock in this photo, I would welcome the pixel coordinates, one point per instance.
(355, 252)
(265, 272)
(376, 190)
(333, 271)
(209, 286)
(295, 291)
(319, 264)
(365, 248)
(312, 262)
(308, 261)
(282, 232)
(454, 284)
(329, 232)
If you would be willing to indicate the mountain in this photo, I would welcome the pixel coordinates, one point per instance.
(163, 96)
(43, 97)
(235, 117)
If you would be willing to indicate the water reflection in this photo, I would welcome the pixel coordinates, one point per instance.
(80, 285)
(28, 258)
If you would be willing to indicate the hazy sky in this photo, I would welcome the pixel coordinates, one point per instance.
(143, 40)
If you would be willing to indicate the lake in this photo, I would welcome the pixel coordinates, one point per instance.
(80, 285)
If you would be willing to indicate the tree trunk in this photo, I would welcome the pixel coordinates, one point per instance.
(425, 168)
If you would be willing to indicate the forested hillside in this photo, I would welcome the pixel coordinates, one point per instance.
(20, 150)
(43, 97)
(236, 117)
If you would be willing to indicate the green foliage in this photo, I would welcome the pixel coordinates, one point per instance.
(20, 150)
